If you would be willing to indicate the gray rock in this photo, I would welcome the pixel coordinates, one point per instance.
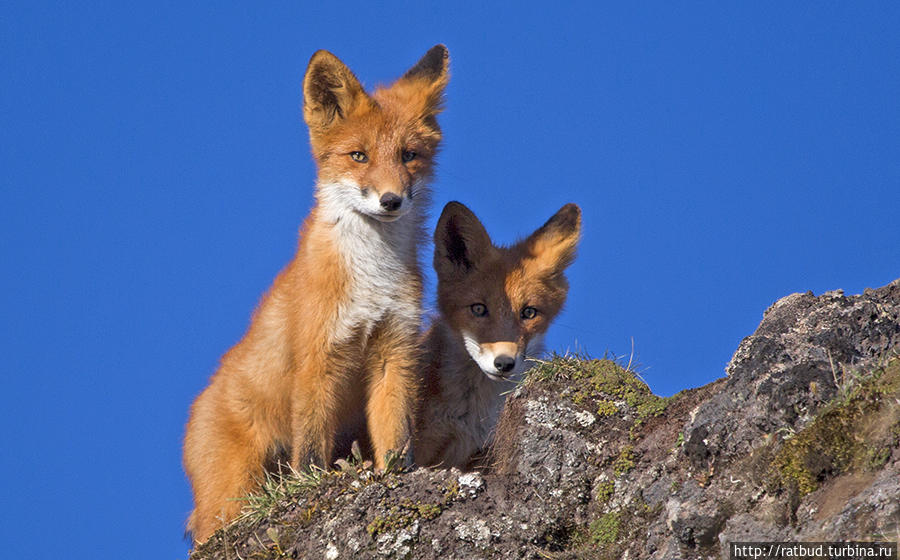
(678, 479)
(803, 349)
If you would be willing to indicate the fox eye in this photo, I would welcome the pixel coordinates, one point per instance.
(408, 155)
(478, 309)
(529, 312)
(359, 157)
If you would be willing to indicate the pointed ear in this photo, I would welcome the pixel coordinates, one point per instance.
(330, 91)
(553, 245)
(460, 241)
(432, 67)
(431, 73)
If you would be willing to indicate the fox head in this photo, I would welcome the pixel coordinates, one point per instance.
(501, 300)
(375, 152)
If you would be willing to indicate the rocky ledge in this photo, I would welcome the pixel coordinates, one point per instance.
(800, 442)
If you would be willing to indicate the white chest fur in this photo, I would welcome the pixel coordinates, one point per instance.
(381, 258)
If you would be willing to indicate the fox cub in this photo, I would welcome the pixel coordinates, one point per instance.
(332, 347)
(495, 305)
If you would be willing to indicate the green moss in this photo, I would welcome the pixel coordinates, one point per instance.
(625, 461)
(603, 375)
(605, 491)
(603, 382)
(855, 432)
(606, 408)
(876, 457)
(652, 406)
(399, 516)
(378, 525)
(608, 535)
(605, 530)
(450, 491)
(428, 511)
(793, 469)
(403, 515)
(611, 379)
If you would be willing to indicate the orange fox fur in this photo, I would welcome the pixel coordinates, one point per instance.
(332, 346)
(495, 304)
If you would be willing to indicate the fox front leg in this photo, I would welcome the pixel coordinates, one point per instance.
(392, 391)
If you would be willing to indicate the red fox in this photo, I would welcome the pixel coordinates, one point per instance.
(333, 345)
(495, 304)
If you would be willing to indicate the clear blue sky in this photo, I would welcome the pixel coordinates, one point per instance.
(155, 168)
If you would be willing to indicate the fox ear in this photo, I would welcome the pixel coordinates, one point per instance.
(431, 73)
(432, 67)
(460, 241)
(553, 245)
(330, 91)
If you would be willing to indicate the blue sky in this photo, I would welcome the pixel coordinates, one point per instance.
(154, 170)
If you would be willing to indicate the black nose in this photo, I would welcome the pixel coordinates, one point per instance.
(504, 363)
(390, 201)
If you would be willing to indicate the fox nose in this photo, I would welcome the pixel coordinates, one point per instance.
(504, 364)
(390, 201)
